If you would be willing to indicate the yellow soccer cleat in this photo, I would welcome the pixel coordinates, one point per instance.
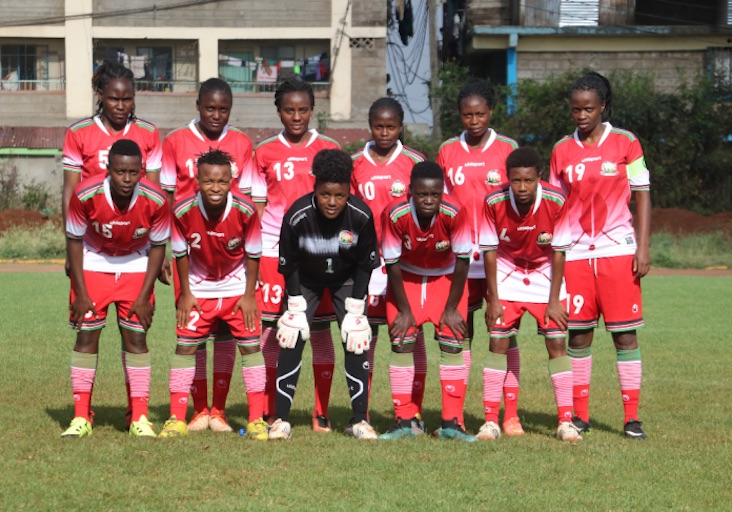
(174, 428)
(142, 428)
(80, 427)
(257, 430)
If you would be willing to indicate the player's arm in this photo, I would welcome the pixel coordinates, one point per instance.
(293, 322)
(247, 304)
(451, 317)
(186, 301)
(404, 320)
(642, 259)
(82, 303)
(494, 310)
(142, 307)
(555, 310)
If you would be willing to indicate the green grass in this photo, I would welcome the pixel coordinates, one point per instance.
(685, 405)
(693, 251)
(43, 242)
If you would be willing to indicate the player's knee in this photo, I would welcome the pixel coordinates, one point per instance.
(556, 347)
(499, 345)
(450, 349)
(625, 340)
(187, 350)
(580, 338)
(405, 348)
(248, 349)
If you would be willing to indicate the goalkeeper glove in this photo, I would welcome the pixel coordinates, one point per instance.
(293, 322)
(355, 329)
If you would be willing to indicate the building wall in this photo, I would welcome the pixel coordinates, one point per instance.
(36, 108)
(669, 68)
(369, 14)
(21, 11)
(368, 76)
(489, 12)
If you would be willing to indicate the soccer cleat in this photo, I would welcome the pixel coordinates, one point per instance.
(361, 430)
(142, 428)
(489, 431)
(257, 430)
(321, 424)
(80, 427)
(404, 429)
(174, 428)
(218, 423)
(199, 421)
(280, 430)
(582, 426)
(634, 430)
(568, 432)
(454, 430)
(512, 427)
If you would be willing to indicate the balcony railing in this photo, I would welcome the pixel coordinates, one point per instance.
(32, 85)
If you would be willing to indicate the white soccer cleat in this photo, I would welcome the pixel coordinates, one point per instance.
(361, 430)
(280, 430)
(199, 422)
(490, 431)
(568, 432)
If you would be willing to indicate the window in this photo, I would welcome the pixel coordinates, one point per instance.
(577, 13)
(25, 67)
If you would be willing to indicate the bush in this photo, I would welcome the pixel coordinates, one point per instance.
(44, 242)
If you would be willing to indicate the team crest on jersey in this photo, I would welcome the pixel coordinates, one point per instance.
(442, 245)
(233, 243)
(609, 169)
(398, 188)
(493, 177)
(140, 232)
(544, 238)
(346, 238)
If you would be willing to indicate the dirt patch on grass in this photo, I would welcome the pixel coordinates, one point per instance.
(685, 222)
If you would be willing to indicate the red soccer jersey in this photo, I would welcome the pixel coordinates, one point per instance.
(471, 174)
(429, 252)
(117, 241)
(217, 248)
(183, 146)
(598, 181)
(284, 174)
(87, 144)
(379, 184)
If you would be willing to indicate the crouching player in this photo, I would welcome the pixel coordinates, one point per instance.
(116, 227)
(524, 236)
(217, 243)
(328, 241)
(426, 246)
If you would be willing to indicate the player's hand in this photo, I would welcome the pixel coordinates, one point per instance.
(249, 311)
(641, 262)
(555, 311)
(67, 267)
(166, 272)
(186, 304)
(144, 311)
(493, 314)
(355, 329)
(293, 322)
(82, 307)
(453, 320)
(402, 324)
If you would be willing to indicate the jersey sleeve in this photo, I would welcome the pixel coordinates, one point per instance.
(73, 159)
(391, 245)
(155, 153)
(168, 172)
(259, 184)
(76, 219)
(460, 236)
(289, 249)
(160, 228)
(555, 172)
(638, 174)
(562, 235)
(178, 243)
(246, 173)
(488, 238)
(368, 248)
(253, 236)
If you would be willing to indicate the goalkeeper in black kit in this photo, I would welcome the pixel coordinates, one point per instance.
(328, 241)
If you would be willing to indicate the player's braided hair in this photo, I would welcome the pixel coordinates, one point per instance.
(214, 157)
(594, 81)
(106, 73)
(478, 87)
(214, 85)
(295, 85)
(524, 157)
(386, 103)
(124, 147)
(332, 166)
(426, 170)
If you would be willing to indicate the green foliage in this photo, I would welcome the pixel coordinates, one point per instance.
(452, 76)
(693, 251)
(44, 242)
(13, 195)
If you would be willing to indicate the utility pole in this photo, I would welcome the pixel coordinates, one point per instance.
(434, 70)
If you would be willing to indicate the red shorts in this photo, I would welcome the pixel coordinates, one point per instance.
(427, 296)
(477, 291)
(274, 297)
(213, 311)
(377, 309)
(512, 313)
(104, 289)
(607, 287)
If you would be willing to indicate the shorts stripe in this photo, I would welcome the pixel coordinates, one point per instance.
(408, 339)
(191, 342)
(587, 324)
(505, 332)
(629, 325)
(130, 325)
(93, 325)
(248, 342)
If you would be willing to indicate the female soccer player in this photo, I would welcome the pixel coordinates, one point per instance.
(474, 165)
(524, 235)
(181, 149)
(599, 166)
(117, 227)
(284, 164)
(381, 173)
(328, 242)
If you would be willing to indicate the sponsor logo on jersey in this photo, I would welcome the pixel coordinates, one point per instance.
(380, 177)
(442, 245)
(297, 159)
(493, 177)
(215, 233)
(346, 238)
(372, 256)
(120, 223)
(282, 260)
(425, 238)
(398, 188)
(140, 232)
(233, 243)
(591, 159)
(474, 164)
(544, 238)
(609, 169)
(526, 228)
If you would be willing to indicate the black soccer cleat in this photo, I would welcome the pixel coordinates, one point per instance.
(634, 430)
(582, 426)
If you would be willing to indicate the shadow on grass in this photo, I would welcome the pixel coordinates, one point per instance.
(104, 415)
(541, 422)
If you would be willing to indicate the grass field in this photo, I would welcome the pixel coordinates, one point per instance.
(686, 406)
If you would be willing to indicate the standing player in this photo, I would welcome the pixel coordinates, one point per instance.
(523, 268)
(599, 166)
(328, 243)
(181, 149)
(217, 243)
(381, 173)
(283, 175)
(88, 141)
(116, 227)
(474, 165)
(426, 246)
